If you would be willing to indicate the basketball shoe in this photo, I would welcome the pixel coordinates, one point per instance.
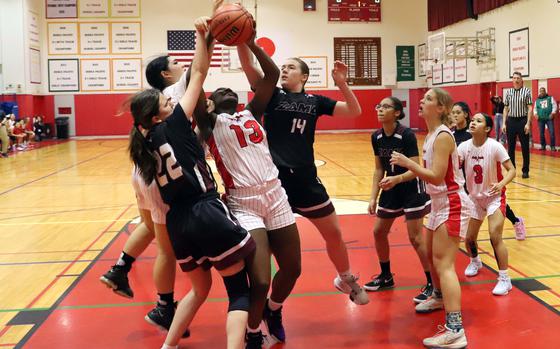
(425, 293)
(273, 321)
(503, 286)
(350, 286)
(380, 282)
(429, 305)
(117, 279)
(474, 266)
(162, 317)
(447, 338)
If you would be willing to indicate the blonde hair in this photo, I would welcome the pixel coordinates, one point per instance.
(445, 100)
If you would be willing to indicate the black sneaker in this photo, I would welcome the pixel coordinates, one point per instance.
(117, 279)
(380, 282)
(273, 320)
(162, 317)
(426, 292)
(254, 340)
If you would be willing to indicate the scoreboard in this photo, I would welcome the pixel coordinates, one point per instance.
(354, 10)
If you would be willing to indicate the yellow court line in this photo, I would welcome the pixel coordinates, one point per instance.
(67, 222)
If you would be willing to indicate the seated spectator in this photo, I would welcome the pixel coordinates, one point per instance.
(39, 128)
(4, 139)
(17, 133)
(28, 128)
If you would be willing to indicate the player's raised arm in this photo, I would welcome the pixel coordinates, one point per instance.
(350, 105)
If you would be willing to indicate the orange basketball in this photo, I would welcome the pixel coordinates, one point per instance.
(232, 25)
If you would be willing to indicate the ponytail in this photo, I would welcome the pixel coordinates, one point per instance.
(141, 155)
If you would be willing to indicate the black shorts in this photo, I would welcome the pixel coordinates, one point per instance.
(406, 198)
(306, 194)
(206, 232)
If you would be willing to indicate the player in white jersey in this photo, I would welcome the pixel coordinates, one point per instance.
(448, 219)
(255, 196)
(153, 213)
(482, 159)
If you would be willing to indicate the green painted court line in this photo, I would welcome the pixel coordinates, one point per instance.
(294, 295)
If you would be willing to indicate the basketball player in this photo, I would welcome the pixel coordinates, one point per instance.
(447, 221)
(255, 196)
(402, 194)
(483, 158)
(201, 229)
(289, 120)
(152, 213)
(461, 113)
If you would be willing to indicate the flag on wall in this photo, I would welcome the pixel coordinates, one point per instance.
(180, 45)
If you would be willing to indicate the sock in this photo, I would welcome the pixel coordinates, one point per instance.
(253, 330)
(428, 277)
(165, 346)
(454, 321)
(385, 268)
(503, 274)
(473, 248)
(125, 261)
(165, 298)
(476, 259)
(346, 276)
(437, 293)
(272, 305)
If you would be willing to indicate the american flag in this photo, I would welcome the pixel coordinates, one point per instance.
(180, 45)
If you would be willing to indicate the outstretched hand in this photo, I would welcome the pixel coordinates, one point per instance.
(201, 24)
(339, 72)
(216, 5)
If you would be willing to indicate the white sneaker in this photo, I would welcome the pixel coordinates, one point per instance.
(473, 267)
(446, 338)
(503, 286)
(357, 294)
(429, 305)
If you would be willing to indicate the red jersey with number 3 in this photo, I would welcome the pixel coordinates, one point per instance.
(240, 149)
(483, 165)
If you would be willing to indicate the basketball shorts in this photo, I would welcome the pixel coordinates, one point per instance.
(265, 206)
(306, 194)
(486, 206)
(454, 210)
(206, 232)
(404, 198)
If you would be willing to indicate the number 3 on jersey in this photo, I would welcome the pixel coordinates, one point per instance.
(478, 177)
(256, 137)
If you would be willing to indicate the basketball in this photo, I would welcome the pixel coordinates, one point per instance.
(232, 25)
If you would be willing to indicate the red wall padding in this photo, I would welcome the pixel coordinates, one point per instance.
(97, 115)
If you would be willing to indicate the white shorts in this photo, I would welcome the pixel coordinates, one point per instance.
(454, 210)
(149, 198)
(486, 206)
(264, 206)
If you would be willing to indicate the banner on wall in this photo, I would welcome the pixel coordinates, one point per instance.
(63, 38)
(422, 60)
(63, 75)
(34, 66)
(125, 8)
(318, 67)
(33, 31)
(126, 38)
(94, 38)
(93, 8)
(62, 8)
(437, 74)
(519, 52)
(95, 74)
(405, 63)
(127, 74)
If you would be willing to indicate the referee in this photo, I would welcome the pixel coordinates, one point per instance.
(518, 112)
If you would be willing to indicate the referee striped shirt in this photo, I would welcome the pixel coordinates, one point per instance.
(517, 102)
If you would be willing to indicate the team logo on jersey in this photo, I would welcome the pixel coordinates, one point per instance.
(477, 157)
(298, 107)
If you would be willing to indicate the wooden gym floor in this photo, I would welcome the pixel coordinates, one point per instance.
(66, 210)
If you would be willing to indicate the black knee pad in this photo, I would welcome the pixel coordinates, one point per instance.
(237, 287)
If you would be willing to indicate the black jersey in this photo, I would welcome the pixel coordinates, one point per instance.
(289, 121)
(402, 140)
(182, 174)
(461, 135)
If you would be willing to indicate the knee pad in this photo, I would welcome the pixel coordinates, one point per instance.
(237, 287)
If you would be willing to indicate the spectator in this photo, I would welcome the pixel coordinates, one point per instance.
(4, 139)
(518, 113)
(498, 111)
(18, 134)
(28, 129)
(545, 107)
(39, 128)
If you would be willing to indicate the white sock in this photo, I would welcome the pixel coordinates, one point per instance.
(476, 259)
(272, 305)
(253, 330)
(503, 274)
(165, 346)
(347, 275)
